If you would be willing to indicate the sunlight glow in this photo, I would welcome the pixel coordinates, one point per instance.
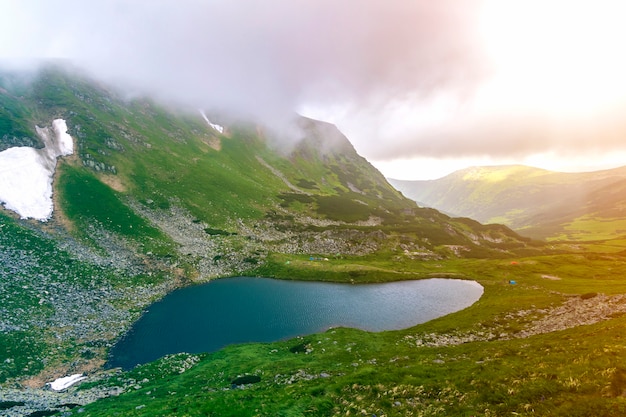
(553, 96)
(564, 56)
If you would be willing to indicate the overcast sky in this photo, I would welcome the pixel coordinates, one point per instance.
(420, 87)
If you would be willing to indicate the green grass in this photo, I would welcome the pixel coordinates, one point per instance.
(578, 371)
(606, 246)
(343, 208)
(349, 371)
(87, 202)
(214, 186)
(589, 228)
(15, 129)
(22, 353)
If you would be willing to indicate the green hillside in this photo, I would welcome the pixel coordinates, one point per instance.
(154, 199)
(537, 203)
(137, 162)
(158, 198)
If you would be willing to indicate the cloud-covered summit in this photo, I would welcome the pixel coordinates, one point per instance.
(439, 79)
(260, 57)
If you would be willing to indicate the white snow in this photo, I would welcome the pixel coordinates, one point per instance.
(25, 183)
(63, 139)
(26, 173)
(213, 125)
(60, 384)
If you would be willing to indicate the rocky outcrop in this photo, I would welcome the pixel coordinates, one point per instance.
(575, 311)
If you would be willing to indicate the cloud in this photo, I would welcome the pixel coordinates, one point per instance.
(508, 132)
(265, 58)
(445, 78)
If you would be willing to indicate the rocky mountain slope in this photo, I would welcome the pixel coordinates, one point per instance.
(535, 202)
(153, 199)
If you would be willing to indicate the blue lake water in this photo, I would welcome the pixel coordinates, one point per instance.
(205, 318)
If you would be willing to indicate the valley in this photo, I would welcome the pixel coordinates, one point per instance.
(156, 199)
(534, 202)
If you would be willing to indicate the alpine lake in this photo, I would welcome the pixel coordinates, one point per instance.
(207, 317)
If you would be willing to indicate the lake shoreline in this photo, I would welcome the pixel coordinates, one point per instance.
(315, 306)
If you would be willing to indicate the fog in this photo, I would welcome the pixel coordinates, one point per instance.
(401, 78)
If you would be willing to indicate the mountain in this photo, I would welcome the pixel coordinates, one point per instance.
(111, 201)
(534, 202)
(147, 199)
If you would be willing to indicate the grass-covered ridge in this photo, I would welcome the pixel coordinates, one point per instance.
(535, 202)
(154, 160)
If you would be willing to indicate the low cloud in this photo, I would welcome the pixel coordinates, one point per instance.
(260, 58)
(502, 135)
(400, 78)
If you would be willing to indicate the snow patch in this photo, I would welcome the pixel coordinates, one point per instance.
(26, 173)
(217, 127)
(60, 384)
(63, 139)
(26, 183)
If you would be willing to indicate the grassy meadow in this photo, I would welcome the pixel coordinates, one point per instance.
(484, 367)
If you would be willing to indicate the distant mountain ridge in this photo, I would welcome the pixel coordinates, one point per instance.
(535, 202)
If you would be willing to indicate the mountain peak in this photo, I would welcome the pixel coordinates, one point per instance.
(326, 136)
